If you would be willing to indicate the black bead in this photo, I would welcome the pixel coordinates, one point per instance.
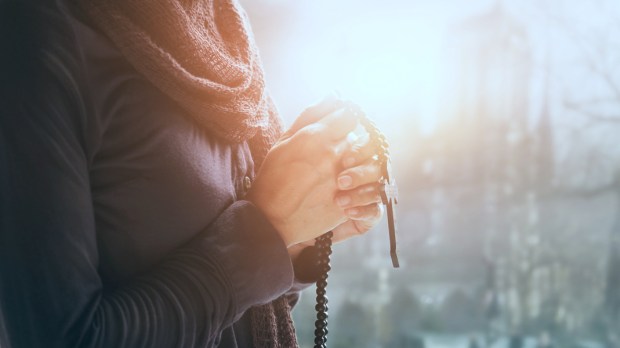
(320, 332)
(323, 247)
(320, 324)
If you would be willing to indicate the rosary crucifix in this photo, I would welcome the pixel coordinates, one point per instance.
(389, 197)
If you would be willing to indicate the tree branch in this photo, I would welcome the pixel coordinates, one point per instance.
(595, 116)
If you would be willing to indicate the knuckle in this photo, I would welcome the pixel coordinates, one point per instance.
(375, 167)
(373, 213)
(311, 131)
(376, 198)
(364, 152)
(355, 151)
(355, 173)
(305, 133)
(368, 190)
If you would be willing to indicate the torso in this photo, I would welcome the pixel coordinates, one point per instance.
(157, 178)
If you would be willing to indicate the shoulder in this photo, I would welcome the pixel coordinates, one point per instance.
(42, 76)
(39, 45)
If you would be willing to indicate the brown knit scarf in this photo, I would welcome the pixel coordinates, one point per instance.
(202, 54)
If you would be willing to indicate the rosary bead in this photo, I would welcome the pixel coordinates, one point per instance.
(323, 246)
(322, 299)
(320, 324)
(323, 243)
(320, 342)
(320, 332)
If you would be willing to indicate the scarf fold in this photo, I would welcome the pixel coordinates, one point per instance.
(202, 54)
(270, 328)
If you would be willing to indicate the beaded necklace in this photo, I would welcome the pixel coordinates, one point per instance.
(323, 244)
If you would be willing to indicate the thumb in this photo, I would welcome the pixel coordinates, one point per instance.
(314, 113)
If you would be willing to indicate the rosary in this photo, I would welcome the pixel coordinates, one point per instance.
(323, 244)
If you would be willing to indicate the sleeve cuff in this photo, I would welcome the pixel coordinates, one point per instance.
(251, 254)
(306, 267)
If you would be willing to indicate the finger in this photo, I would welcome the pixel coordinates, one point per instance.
(369, 213)
(315, 112)
(338, 124)
(361, 196)
(367, 173)
(360, 152)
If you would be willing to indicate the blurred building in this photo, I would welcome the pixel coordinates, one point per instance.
(489, 162)
(484, 184)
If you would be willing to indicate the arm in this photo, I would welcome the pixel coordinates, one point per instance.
(51, 294)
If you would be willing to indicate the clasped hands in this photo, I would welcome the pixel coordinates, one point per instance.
(316, 179)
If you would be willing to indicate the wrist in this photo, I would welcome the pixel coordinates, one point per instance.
(276, 222)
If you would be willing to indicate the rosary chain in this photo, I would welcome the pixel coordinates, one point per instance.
(323, 244)
(324, 250)
(378, 139)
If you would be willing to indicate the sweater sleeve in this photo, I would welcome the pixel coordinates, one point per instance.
(51, 293)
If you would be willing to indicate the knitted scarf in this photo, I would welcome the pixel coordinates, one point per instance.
(202, 54)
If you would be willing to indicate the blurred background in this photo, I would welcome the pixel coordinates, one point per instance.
(504, 123)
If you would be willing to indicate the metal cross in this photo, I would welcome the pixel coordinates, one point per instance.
(389, 197)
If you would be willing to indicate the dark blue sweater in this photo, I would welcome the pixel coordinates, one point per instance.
(122, 223)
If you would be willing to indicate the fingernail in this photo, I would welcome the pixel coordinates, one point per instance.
(352, 211)
(344, 181)
(343, 200)
(348, 162)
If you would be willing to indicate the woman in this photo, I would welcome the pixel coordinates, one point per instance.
(133, 210)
